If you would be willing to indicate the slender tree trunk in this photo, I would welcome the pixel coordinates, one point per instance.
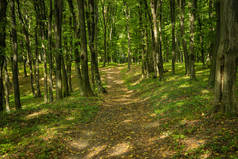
(28, 46)
(142, 43)
(86, 88)
(92, 31)
(157, 55)
(58, 37)
(104, 11)
(161, 62)
(192, 37)
(76, 50)
(127, 12)
(37, 75)
(51, 97)
(65, 79)
(7, 87)
(213, 54)
(185, 50)
(172, 12)
(15, 70)
(3, 23)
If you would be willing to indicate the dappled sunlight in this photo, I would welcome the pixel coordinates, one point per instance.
(165, 134)
(36, 114)
(151, 125)
(119, 149)
(95, 151)
(78, 144)
(193, 143)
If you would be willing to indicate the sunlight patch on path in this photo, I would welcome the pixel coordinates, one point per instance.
(120, 149)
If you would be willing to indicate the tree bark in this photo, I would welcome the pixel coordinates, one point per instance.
(3, 23)
(58, 37)
(172, 13)
(86, 88)
(92, 31)
(50, 56)
(127, 12)
(192, 6)
(226, 61)
(182, 5)
(7, 87)
(15, 70)
(77, 43)
(37, 61)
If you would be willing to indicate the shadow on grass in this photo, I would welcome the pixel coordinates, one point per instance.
(38, 132)
(181, 106)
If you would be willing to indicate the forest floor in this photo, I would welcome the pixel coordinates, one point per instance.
(137, 118)
(125, 126)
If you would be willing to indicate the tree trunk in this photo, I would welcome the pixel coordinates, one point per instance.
(127, 12)
(104, 11)
(15, 70)
(28, 46)
(92, 31)
(86, 88)
(158, 64)
(58, 37)
(172, 13)
(51, 97)
(192, 6)
(3, 23)
(76, 36)
(65, 79)
(37, 60)
(226, 62)
(182, 33)
(213, 54)
(7, 87)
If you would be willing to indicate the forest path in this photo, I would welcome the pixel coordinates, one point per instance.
(125, 126)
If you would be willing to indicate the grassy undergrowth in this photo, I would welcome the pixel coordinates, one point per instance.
(39, 130)
(181, 106)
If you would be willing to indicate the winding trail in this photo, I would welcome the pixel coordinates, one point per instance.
(125, 126)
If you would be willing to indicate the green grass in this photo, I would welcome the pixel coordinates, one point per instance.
(182, 107)
(38, 130)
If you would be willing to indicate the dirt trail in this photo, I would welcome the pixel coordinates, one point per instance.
(124, 127)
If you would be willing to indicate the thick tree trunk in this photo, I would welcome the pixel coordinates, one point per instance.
(86, 88)
(226, 62)
(3, 23)
(58, 37)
